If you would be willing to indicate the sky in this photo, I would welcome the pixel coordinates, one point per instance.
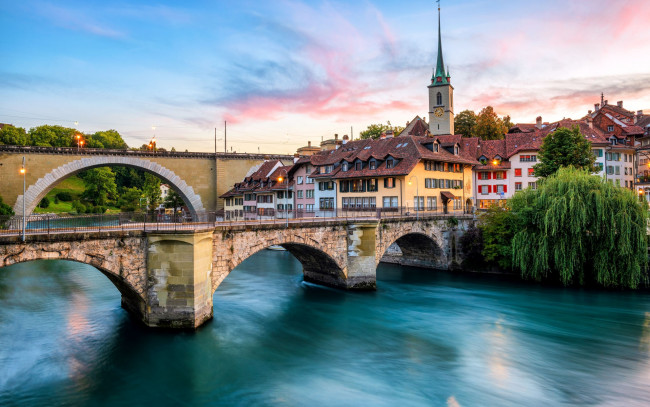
(282, 73)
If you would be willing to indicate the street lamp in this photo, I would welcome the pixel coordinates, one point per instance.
(417, 197)
(78, 141)
(22, 171)
(286, 196)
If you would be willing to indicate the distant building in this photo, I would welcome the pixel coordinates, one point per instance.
(307, 150)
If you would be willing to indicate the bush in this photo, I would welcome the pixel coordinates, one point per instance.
(64, 196)
(5, 209)
(45, 202)
(79, 207)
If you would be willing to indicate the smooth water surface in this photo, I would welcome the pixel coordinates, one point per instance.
(423, 339)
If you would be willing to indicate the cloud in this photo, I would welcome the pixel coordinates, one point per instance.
(77, 20)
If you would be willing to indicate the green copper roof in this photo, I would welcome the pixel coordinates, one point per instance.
(440, 65)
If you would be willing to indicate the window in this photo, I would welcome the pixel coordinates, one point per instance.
(359, 203)
(310, 193)
(483, 175)
(299, 180)
(373, 185)
(617, 170)
(428, 183)
(358, 185)
(517, 186)
(300, 193)
(457, 168)
(501, 189)
(418, 203)
(532, 185)
(249, 197)
(326, 186)
(432, 203)
(309, 207)
(435, 147)
(390, 163)
(528, 158)
(455, 150)
(484, 189)
(373, 165)
(344, 166)
(326, 203)
(610, 128)
(326, 169)
(610, 170)
(500, 175)
(309, 180)
(280, 194)
(517, 172)
(531, 172)
(438, 99)
(299, 207)
(458, 203)
(389, 182)
(358, 166)
(390, 202)
(307, 169)
(598, 152)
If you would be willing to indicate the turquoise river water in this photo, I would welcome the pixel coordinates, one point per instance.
(424, 338)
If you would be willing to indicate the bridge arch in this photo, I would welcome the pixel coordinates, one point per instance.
(322, 262)
(42, 186)
(130, 284)
(422, 244)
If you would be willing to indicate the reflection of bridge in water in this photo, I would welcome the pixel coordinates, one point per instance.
(167, 271)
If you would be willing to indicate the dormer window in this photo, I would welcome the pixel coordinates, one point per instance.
(373, 165)
(610, 128)
(344, 166)
(614, 141)
(435, 147)
(456, 149)
(390, 163)
(358, 166)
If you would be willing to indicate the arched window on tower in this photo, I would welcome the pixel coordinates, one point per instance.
(439, 99)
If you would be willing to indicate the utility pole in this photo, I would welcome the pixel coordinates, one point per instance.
(351, 133)
(225, 132)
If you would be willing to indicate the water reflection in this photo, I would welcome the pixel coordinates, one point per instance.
(422, 339)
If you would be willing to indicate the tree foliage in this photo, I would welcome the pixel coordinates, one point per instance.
(465, 123)
(52, 136)
(11, 135)
(173, 200)
(151, 190)
(562, 148)
(107, 139)
(374, 131)
(578, 229)
(100, 186)
(5, 209)
(129, 200)
(489, 126)
(498, 226)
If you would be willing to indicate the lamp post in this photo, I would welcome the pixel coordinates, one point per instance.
(78, 141)
(417, 197)
(22, 171)
(286, 197)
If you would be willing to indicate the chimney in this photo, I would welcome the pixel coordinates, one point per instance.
(346, 139)
(589, 112)
(538, 122)
(383, 136)
(619, 103)
(296, 156)
(639, 114)
(390, 134)
(604, 103)
(336, 137)
(590, 122)
(597, 106)
(309, 143)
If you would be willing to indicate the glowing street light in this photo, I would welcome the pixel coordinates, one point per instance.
(286, 197)
(22, 171)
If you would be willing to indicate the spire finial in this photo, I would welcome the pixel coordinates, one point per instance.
(440, 65)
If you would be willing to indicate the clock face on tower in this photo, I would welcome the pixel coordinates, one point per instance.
(438, 111)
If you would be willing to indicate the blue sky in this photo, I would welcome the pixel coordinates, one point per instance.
(285, 72)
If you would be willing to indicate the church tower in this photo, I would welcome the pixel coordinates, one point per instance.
(441, 95)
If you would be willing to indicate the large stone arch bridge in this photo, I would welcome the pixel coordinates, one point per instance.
(168, 279)
(199, 178)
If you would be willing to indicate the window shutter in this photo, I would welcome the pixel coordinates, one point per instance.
(489, 189)
(505, 174)
(489, 175)
(505, 188)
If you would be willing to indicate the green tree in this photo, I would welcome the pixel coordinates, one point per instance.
(5, 209)
(16, 136)
(173, 200)
(374, 131)
(498, 228)
(100, 186)
(129, 200)
(465, 123)
(151, 190)
(578, 229)
(52, 136)
(45, 202)
(489, 126)
(507, 123)
(562, 148)
(109, 139)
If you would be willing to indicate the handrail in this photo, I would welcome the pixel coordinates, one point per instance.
(47, 224)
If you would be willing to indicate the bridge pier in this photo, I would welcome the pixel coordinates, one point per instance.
(178, 292)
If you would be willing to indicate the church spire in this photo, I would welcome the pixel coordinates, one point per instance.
(439, 76)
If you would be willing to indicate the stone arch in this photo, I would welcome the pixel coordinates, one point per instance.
(422, 244)
(320, 265)
(43, 185)
(130, 286)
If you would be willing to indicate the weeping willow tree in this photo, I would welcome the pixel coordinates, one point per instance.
(579, 229)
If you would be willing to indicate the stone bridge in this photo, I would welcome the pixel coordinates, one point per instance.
(168, 279)
(199, 178)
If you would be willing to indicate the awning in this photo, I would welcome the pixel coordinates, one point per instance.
(447, 195)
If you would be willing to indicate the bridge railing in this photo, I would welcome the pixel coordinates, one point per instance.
(44, 224)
